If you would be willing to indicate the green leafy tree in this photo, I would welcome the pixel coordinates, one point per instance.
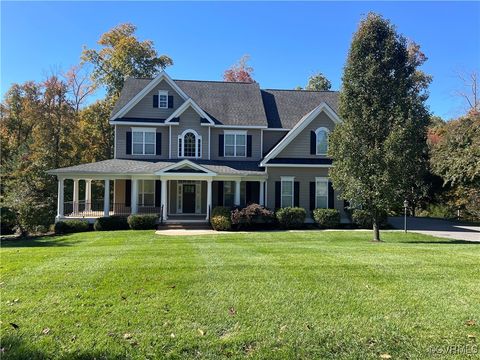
(379, 150)
(318, 82)
(123, 55)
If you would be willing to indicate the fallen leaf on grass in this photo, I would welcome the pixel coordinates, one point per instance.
(127, 336)
(283, 328)
(471, 336)
(232, 311)
(385, 356)
(45, 331)
(172, 335)
(15, 326)
(470, 322)
(173, 286)
(201, 332)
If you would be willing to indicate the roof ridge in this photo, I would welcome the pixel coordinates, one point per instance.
(302, 90)
(218, 81)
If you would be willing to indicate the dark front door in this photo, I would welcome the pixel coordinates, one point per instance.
(188, 197)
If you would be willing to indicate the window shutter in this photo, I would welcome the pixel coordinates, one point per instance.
(312, 195)
(129, 143)
(179, 147)
(128, 193)
(278, 189)
(313, 143)
(248, 192)
(155, 101)
(220, 145)
(296, 194)
(158, 145)
(331, 196)
(158, 193)
(220, 193)
(170, 101)
(249, 145)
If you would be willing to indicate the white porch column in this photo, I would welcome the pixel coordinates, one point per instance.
(209, 199)
(163, 199)
(237, 192)
(60, 202)
(262, 193)
(106, 198)
(75, 196)
(134, 197)
(88, 195)
(266, 194)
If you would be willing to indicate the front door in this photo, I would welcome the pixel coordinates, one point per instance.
(188, 198)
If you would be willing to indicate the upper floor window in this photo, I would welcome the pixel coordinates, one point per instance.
(287, 191)
(143, 141)
(235, 143)
(190, 144)
(163, 99)
(321, 141)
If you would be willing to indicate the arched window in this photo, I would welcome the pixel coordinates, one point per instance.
(322, 141)
(190, 144)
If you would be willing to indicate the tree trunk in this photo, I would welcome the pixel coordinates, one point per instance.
(376, 230)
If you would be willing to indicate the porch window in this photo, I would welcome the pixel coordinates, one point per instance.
(163, 99)
(287, 191)
(190, 144)
(321, 192)
(228, 193)
(235, 143)
(322, 141)
(143, 141)
(146, 193)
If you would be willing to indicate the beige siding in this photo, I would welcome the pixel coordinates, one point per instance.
(304, 176)
(256, 144)
(272, 138)
(300, 146)
(144, 108)
(121, 143)
(189, 120)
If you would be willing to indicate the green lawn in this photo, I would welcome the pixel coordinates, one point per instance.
(134, 294)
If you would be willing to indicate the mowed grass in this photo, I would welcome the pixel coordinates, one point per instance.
(270, 295)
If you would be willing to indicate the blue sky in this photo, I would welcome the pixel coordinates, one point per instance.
(287, 41)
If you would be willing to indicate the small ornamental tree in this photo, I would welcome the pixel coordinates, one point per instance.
(379, 150)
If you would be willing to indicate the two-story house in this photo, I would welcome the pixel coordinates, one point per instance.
(183, 147)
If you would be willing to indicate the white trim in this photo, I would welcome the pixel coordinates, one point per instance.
(198, 147)
(198, 197)
(144, 131)
(115, 141)
(325, 180)
(299, 165)
(188, 103)
(164, 93)
(241, 127)
(170, 142)
(297, 129)
(150, 86)
(322, 128)
(234, 133)
(276, 129)
(183, 163)
(287, 179)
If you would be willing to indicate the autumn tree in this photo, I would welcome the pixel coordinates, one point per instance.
(122, 55)
(379, 149)
(239, 72)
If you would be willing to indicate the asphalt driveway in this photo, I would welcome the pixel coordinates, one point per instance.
(438, 227)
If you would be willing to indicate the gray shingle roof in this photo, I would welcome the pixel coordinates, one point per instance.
(242, 103)
(284, 108)
(131, 167)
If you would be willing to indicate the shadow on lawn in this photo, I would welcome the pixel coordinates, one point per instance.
(13, 347)
(38, 241)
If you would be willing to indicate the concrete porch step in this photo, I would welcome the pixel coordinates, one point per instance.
(175, 225)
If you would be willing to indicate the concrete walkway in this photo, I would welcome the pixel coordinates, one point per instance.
(438, 227)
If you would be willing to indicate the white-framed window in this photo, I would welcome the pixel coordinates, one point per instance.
(143, 141)
(228, 193)
(163, 99)
(321, 192)
(190, 144)
(321, 135)
(235, 143)
(287, 191)
(146, 193)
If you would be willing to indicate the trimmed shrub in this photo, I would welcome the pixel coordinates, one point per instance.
(327, 218)
(142, 222)
(252, 215)
(222, 211)
(291, 217)
(111, 223)
(8, 221)
(221, 223)
(363, 219)
(71, 226)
